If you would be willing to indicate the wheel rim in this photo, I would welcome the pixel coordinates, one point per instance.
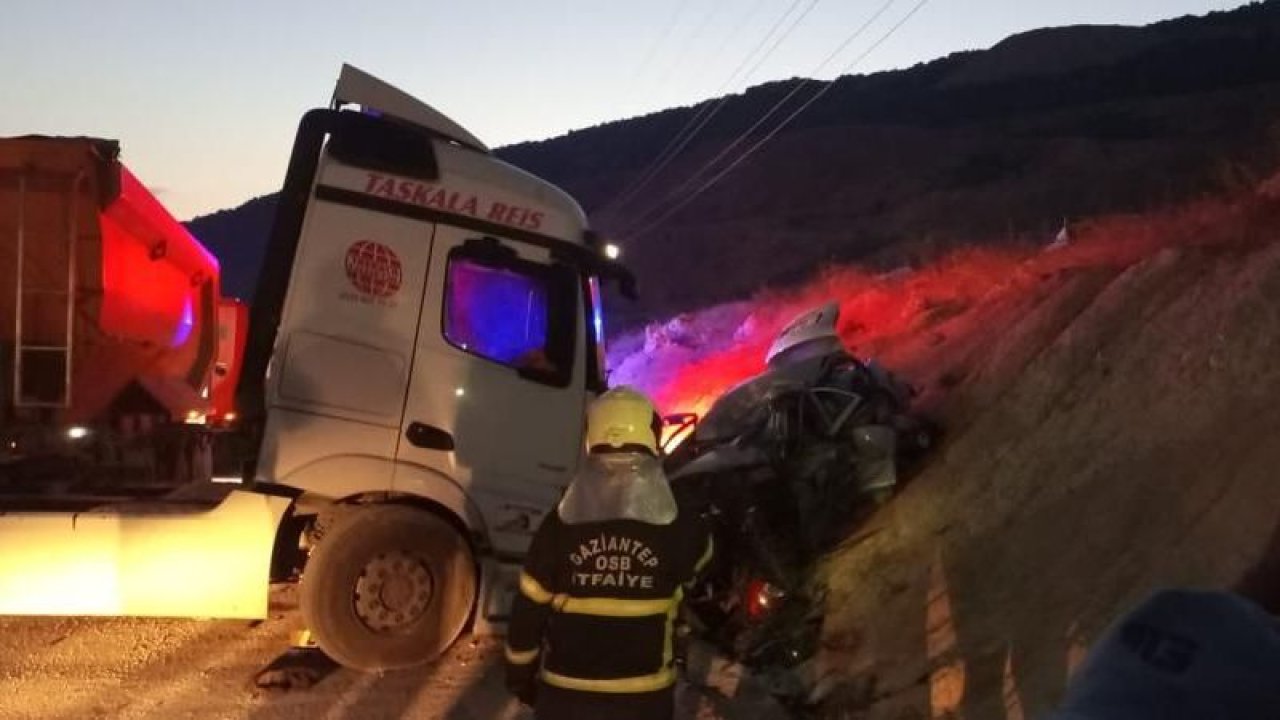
(393, 592)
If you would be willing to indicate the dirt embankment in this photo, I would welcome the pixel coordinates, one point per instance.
(1113, 415)
(1114, 428)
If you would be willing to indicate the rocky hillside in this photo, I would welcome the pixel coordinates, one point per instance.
(897, 167)
(1111, 418)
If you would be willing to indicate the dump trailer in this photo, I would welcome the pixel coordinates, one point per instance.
(109, 324)
(418, 355)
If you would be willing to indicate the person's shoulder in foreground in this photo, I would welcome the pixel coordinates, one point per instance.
(1193, 654)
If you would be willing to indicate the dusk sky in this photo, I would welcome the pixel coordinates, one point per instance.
(205, 96)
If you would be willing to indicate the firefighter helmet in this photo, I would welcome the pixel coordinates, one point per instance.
(622, 419)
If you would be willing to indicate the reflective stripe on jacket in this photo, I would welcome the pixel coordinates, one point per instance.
(597, 603)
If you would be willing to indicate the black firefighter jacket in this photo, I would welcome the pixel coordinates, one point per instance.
(594, 618)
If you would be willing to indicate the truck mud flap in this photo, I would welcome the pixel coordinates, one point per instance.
(499, 583)
(142, 559)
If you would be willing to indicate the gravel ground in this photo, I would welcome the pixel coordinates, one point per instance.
(141, 668)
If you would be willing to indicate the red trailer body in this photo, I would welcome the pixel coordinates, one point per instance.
(108, 306)
(233, 332)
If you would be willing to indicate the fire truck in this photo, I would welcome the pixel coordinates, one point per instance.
(409, 384)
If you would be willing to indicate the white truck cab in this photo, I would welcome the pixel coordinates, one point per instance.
(434, 351)
(423, 342)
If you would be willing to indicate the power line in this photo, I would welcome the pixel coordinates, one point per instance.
(724, 152)
(693, 125)
(743, 19)
(662, 38)
(699, 28)
(706, 111)
(781, 38)
(751, 150)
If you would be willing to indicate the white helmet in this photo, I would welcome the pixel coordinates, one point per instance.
(814, 331)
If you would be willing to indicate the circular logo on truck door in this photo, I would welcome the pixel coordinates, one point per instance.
(373, 268)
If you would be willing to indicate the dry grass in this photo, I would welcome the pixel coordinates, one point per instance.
(896, 315)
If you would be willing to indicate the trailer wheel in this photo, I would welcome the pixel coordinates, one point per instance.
(388, 587)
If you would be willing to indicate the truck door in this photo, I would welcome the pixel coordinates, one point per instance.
(496, 394)
(347, 345)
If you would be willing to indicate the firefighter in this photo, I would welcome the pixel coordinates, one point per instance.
(592, 630)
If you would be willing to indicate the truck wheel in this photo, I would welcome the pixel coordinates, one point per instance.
(388, 587)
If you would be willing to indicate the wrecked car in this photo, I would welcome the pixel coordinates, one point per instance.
(784, 464)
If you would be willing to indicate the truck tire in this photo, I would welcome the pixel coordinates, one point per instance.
(388, 587)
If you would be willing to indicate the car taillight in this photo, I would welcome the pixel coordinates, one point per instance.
(762, 599)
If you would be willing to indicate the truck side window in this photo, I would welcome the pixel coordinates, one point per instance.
(512, 312)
